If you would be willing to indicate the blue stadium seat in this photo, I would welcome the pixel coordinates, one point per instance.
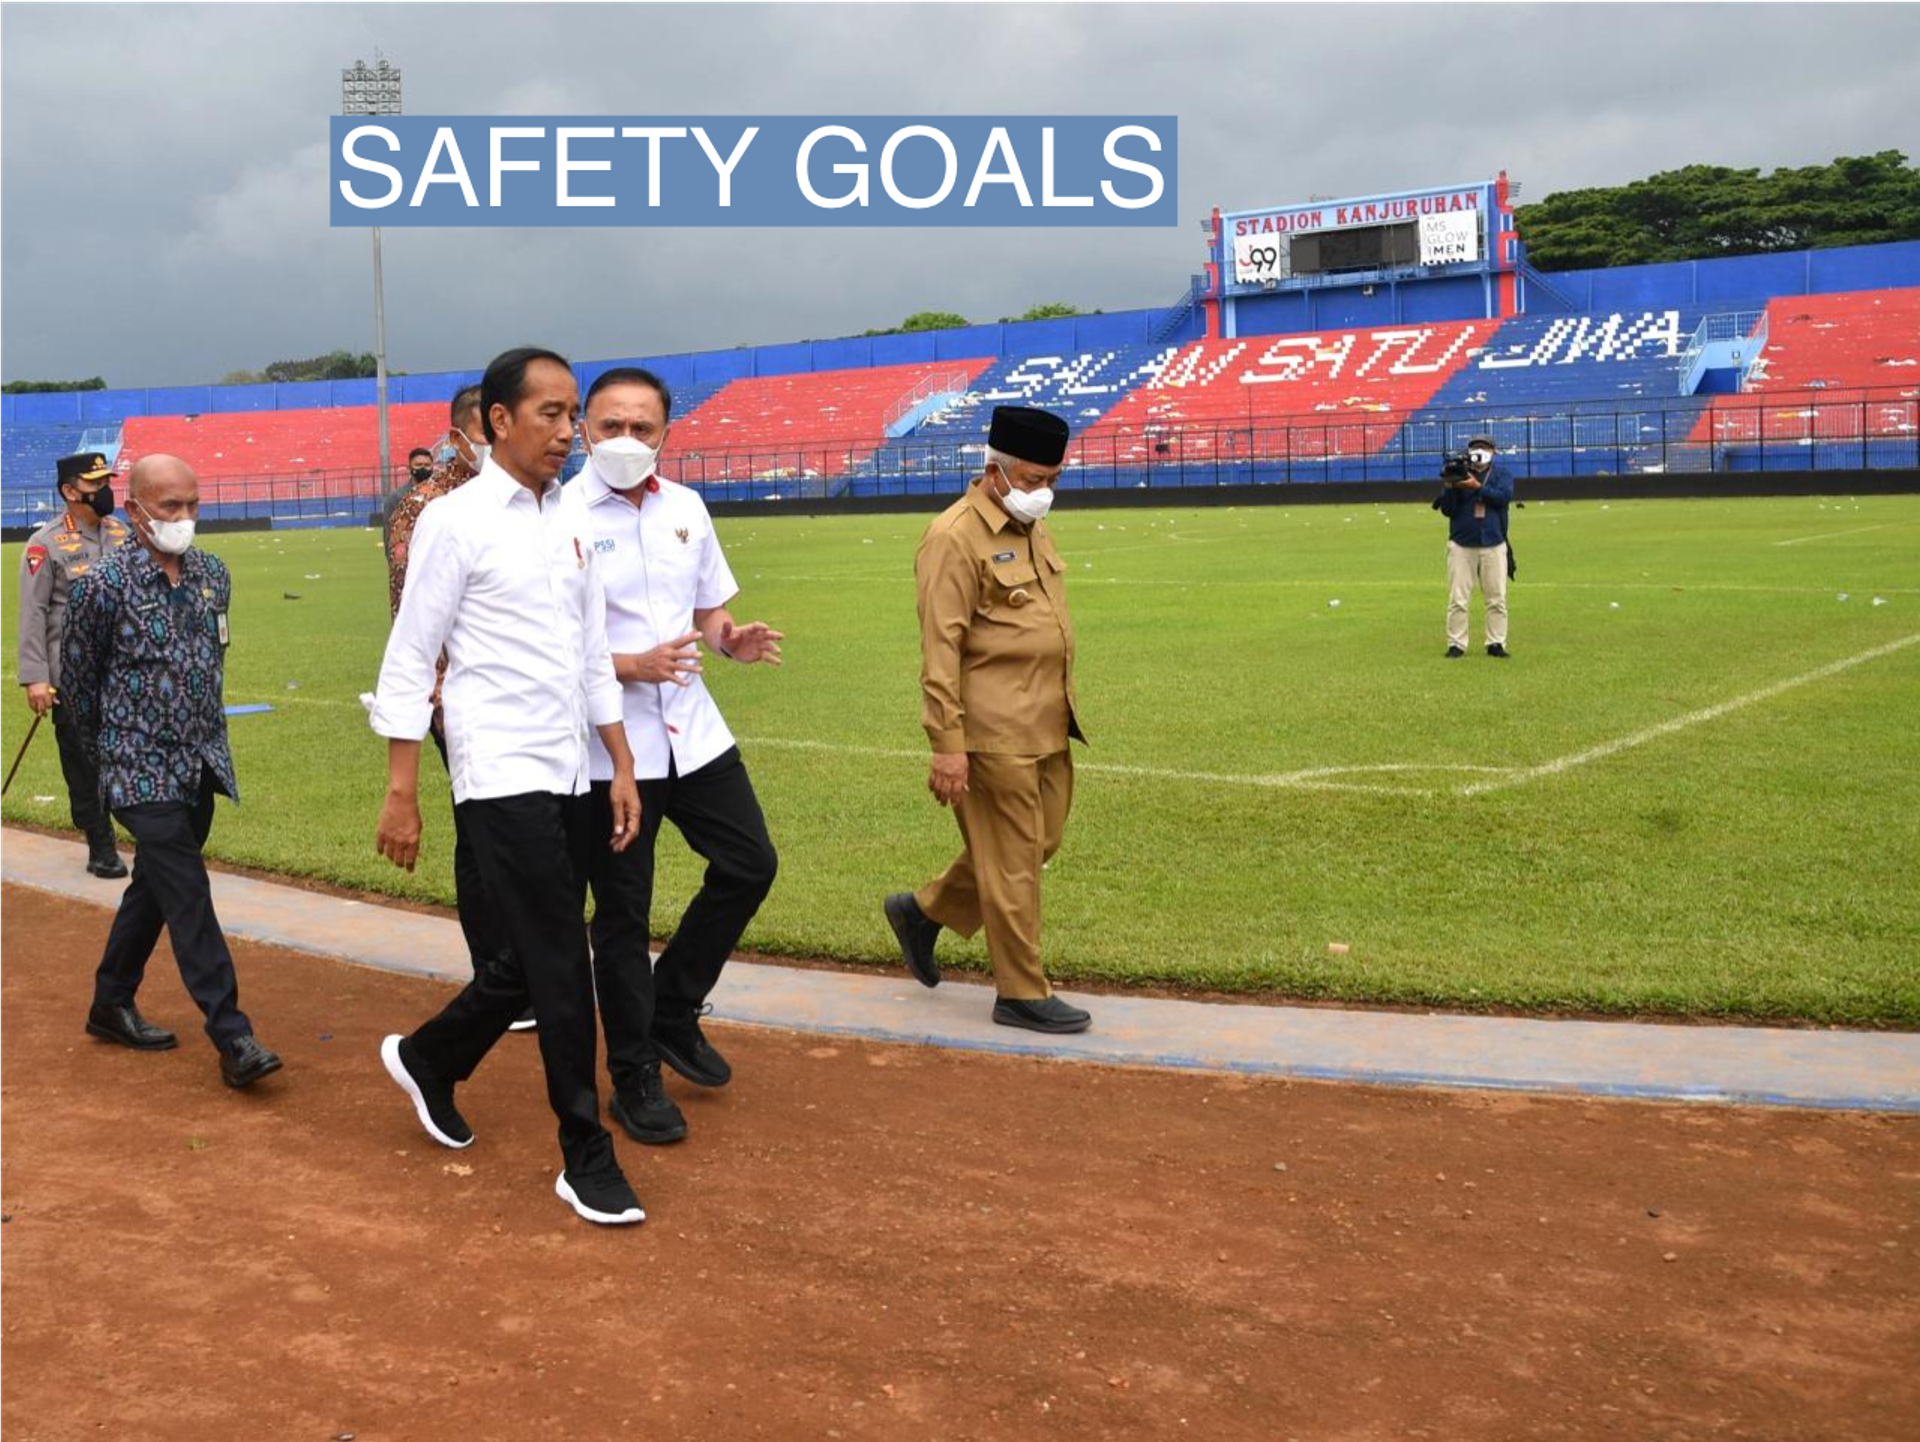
(27, 457)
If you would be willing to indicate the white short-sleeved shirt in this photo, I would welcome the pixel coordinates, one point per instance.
(657, 562)
(507, 585)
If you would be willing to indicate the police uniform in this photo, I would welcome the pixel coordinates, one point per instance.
(997, 650)
(57, 555)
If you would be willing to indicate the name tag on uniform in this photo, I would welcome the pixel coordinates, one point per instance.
(220, 625)
(1004, 556)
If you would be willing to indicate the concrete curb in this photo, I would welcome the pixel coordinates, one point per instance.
(1840, 1070)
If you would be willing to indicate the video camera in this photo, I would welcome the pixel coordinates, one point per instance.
(1454, 468)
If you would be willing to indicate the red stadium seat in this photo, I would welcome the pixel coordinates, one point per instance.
(1213, 390)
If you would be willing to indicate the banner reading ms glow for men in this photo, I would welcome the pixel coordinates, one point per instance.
(780, 170)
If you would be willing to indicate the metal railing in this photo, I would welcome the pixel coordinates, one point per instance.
(1805, 430)
(945, 383)
(1722, 328)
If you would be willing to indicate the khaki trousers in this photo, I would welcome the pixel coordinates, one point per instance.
(1486, 567)
(1011, 819)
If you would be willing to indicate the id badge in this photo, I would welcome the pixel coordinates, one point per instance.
(220, 625)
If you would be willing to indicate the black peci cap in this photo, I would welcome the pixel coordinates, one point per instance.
(87, 466)
(1488, 441)
(1028, 434)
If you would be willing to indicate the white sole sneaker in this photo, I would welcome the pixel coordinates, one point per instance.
(564, 1191)
(390, 1058)
(523, 1024)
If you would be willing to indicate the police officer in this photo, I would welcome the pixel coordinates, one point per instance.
(997, 704)
(144, 658)
(57, 555)
(1475, 505)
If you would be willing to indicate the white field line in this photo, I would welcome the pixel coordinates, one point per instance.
(1554, 767)
(1333, 587)
(1829, 535)
(1313, 778)
(1324, 778)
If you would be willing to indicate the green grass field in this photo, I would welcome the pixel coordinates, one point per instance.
(1759, 861)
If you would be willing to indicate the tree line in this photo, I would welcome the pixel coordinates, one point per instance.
(1702, 212)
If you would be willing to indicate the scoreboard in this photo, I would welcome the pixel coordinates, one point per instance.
(1401, 232)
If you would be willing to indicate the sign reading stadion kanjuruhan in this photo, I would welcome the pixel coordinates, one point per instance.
(781, 170)
(1444, 227)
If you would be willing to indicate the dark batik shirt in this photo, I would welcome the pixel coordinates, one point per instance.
(142, 665)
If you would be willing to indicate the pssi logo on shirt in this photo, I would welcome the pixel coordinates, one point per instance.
(605, 543)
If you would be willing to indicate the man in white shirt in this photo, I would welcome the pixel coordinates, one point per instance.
(501, 575)
(667, 586)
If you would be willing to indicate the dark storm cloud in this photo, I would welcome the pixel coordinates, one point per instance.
(164, 167)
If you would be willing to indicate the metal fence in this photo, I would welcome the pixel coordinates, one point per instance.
(1786, 431)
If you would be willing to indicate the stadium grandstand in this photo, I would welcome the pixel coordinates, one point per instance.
(1337, 340)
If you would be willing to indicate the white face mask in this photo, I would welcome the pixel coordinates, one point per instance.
(1028, 506)
(172, 537)
(624, 462)
(1480, 457)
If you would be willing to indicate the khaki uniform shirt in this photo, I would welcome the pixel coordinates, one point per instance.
(996, 642)
(57, 555)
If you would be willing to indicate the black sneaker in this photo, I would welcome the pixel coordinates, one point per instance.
(685, 1048)
(243, 1061)
(1049, 1014)
(603, 1197)
(646, 1113)
(432, 1098)
(1454, 653)
(1496, 649)
(916, 932)
(526, 1021)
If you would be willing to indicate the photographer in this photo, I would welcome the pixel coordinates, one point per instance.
(1474, 502)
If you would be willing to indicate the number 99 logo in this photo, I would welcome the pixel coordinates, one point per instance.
(1261, 259)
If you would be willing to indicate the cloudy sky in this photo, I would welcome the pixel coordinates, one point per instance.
(164, 167)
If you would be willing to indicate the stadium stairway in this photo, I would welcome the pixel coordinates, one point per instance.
(1847, 367)
(1568, 394)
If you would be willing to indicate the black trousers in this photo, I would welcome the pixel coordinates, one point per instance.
(83, 780)
(715, 809)
(478, 924)
(170, 889)
(532, 854)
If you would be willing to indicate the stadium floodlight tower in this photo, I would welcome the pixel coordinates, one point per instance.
(375, 90)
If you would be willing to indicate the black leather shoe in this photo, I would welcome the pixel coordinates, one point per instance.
(103, 858)
(1496, 649)
(916, 932)
(244, 1061)
(1454, 653)
(1049, 1013)
(646, 1113)
(125, 1025)
(685, 1048)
